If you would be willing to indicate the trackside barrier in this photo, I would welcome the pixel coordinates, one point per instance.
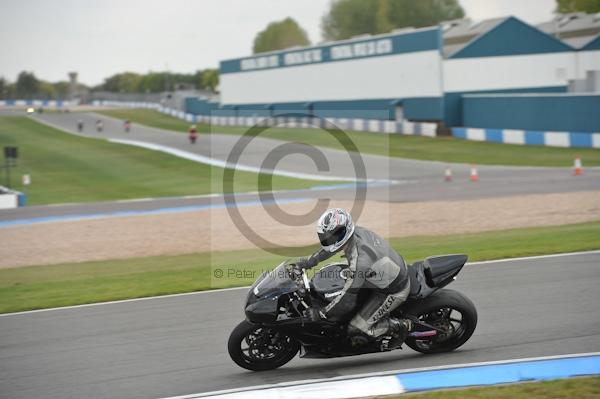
(399, 382)
(11, 198)
(526, 137)
(35, 103)
(369, 125)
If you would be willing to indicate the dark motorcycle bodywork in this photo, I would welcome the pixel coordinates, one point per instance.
(276, 301)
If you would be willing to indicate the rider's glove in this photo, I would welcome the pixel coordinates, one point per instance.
(297, 271)
(298, 267)
(302, 263)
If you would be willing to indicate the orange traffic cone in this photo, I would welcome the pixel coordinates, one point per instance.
(474, 175)
(577, 167)
(448, 174)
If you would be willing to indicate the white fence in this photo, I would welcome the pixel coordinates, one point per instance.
(367, 125)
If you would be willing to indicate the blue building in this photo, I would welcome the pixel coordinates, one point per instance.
(496, 74)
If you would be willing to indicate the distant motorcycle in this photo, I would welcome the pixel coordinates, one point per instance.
(192, 136)
(276, 326)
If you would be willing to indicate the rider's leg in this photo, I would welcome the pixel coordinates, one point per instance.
(374, 320)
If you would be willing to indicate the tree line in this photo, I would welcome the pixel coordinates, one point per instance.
(157, 82)
(28, 86)
(348, 18)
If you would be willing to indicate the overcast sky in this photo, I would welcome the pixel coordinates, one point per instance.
(98, 38)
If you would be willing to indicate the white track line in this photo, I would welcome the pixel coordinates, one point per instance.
(246, 287)
(382, 373)
(88, 305)
(244, 168)
(483, 262)
(212, 161)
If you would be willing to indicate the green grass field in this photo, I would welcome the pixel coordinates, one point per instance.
(580, 388)
(445, 149)
(37, 287)
(66, 168)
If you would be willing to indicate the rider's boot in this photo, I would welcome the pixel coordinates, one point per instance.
(398, 329)
(395, 332)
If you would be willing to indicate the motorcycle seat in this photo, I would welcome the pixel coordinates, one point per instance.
(416, 274)
(440, 269)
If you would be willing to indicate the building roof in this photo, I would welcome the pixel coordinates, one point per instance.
(459, 32)
(503, 37)
(576, 29)
(579, 42)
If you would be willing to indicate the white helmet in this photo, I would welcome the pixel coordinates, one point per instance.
(334, 228)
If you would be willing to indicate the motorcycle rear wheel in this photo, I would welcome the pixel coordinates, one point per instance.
(447, 309)
(260, 348)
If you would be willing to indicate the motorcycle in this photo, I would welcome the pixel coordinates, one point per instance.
(277, 327)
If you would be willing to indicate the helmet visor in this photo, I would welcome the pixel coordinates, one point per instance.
(331, 237)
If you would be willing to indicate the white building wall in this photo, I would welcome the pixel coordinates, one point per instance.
(416, 74)
(509, 72)
(587, 61)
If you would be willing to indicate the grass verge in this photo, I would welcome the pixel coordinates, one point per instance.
(68, 168)
(37, 287)
(445, 149)
(580, 388)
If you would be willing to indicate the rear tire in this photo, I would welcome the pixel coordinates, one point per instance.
(444, 304)
(276, 348)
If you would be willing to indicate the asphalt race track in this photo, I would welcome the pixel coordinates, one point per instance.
(417, 180)
(177, 345)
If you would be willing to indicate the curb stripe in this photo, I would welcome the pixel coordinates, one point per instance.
(500, 373)
(512, 136)
(116, 214)
(411, 380)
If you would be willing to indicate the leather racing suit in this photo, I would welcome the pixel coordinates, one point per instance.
(376, 267)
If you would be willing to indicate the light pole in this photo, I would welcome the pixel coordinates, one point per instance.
(10, 161)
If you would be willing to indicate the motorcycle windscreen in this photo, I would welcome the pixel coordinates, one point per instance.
(274, 283)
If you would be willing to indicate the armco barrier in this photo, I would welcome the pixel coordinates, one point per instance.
(399, 382)
(525, 137)
(368, 125)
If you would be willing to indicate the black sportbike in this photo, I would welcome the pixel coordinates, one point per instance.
(276, 328)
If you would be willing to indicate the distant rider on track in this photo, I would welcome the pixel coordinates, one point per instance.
(192, 134)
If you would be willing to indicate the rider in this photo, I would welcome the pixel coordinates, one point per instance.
(373, 265)
(192, 134)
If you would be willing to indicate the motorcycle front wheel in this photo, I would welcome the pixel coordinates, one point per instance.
(260, 348)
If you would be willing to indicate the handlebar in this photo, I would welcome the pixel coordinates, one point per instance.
(299, 276)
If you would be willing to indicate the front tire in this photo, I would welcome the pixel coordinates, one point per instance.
(446, 309)
(260, 348)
